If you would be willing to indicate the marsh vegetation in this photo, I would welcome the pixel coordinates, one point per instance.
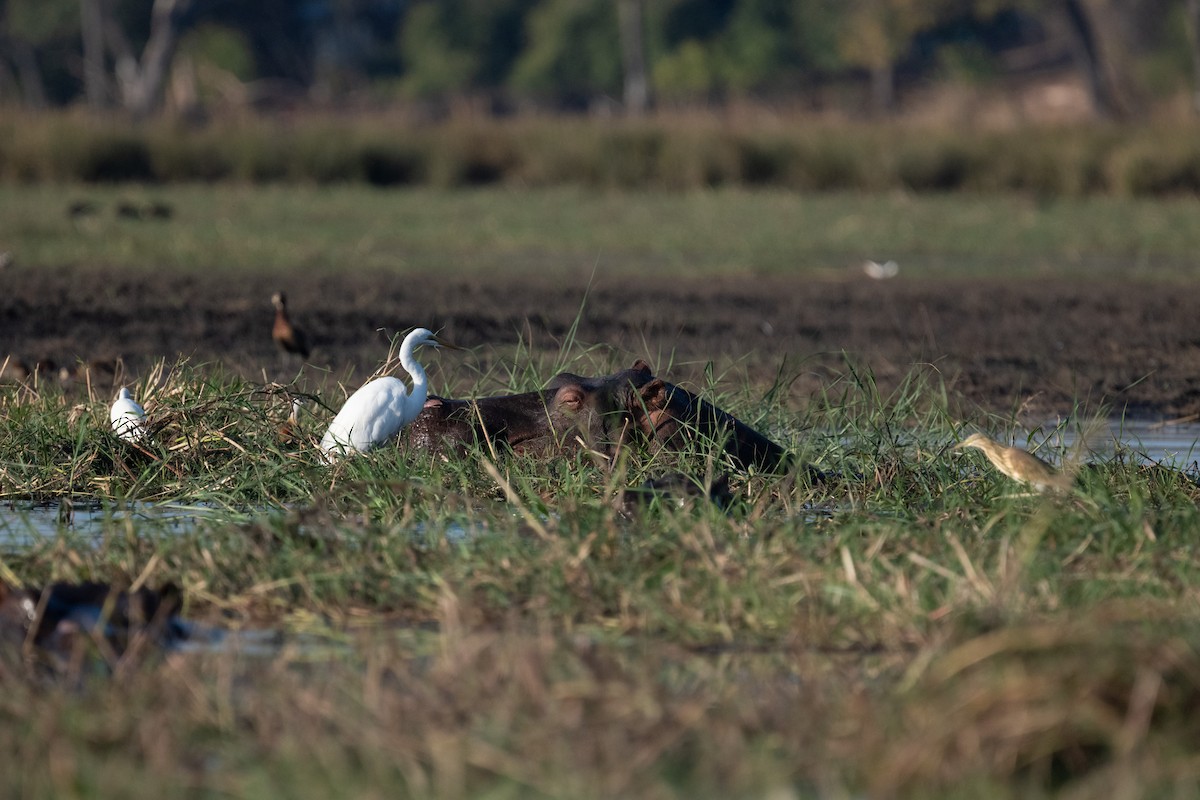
(498, 625)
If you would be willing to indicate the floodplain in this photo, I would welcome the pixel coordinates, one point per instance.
(915, 625)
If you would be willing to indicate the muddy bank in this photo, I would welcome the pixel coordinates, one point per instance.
(1037, 346)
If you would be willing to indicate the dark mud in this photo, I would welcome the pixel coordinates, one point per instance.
(1005, 346)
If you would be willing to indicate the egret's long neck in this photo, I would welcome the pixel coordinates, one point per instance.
(420, 387)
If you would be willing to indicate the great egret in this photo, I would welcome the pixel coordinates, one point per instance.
(381, 407)
(1019, 465)
(128, 418)
(287, 336)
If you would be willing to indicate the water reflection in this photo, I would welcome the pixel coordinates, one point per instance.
(1169, 443)
(256, 642)
(23, 524)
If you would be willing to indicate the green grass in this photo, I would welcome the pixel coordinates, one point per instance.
(910, 628)
(571, 233)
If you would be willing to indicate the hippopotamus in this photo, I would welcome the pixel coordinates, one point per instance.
(54, 617)
(599, 413)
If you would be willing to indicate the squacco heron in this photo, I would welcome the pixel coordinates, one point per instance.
(1019, 465)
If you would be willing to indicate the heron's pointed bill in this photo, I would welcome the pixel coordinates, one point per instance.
(440, 342)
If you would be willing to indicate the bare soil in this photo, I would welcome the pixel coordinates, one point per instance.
(1002, 345)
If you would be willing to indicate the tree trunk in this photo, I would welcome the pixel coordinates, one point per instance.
(95, 79)
(631, 21)
(29, 73)
(141, 81)
(1192, 20)
(883, 89)
(1095, 46)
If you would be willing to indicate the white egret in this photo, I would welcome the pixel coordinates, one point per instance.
(881, 272)
(128, 418)
(381, 407)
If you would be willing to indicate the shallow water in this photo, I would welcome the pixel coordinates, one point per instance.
(1169, 443)
(255, 642)
(25, 523)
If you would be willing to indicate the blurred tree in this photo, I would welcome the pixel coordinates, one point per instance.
(876, 33)
(573, 53)
(814, 27)
(714, 46)
(33, 28)
(281, 35)
(685, 72)
(119, 52)
(213, 63)
(757, 45)
(139, 79)
(631, 15)
(436, 65)
(1100, 52)
(451, 46)
(1192, 25)
(352, 42)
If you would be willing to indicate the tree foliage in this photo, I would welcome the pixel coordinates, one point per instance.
(557, 51)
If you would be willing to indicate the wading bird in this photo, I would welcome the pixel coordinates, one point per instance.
(287, 336)
(1019, 465)
(881, 272)
(381, 407)
(289, 429)
(128, 418)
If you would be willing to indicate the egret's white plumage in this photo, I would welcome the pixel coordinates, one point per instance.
(381, 407)
(881, 272)
(128, 418)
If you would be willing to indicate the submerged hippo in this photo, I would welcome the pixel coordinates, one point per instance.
(668, 415)
(599, 413)
(55, 617)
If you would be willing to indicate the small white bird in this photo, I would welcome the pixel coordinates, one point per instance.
(881, 272)
(128, 418)
(380, 408)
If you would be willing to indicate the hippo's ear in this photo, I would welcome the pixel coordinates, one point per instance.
(433, 401)
(642, 366)
(570, 396)
(654, 395)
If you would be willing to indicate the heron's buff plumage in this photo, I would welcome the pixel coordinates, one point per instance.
(1018, 464)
